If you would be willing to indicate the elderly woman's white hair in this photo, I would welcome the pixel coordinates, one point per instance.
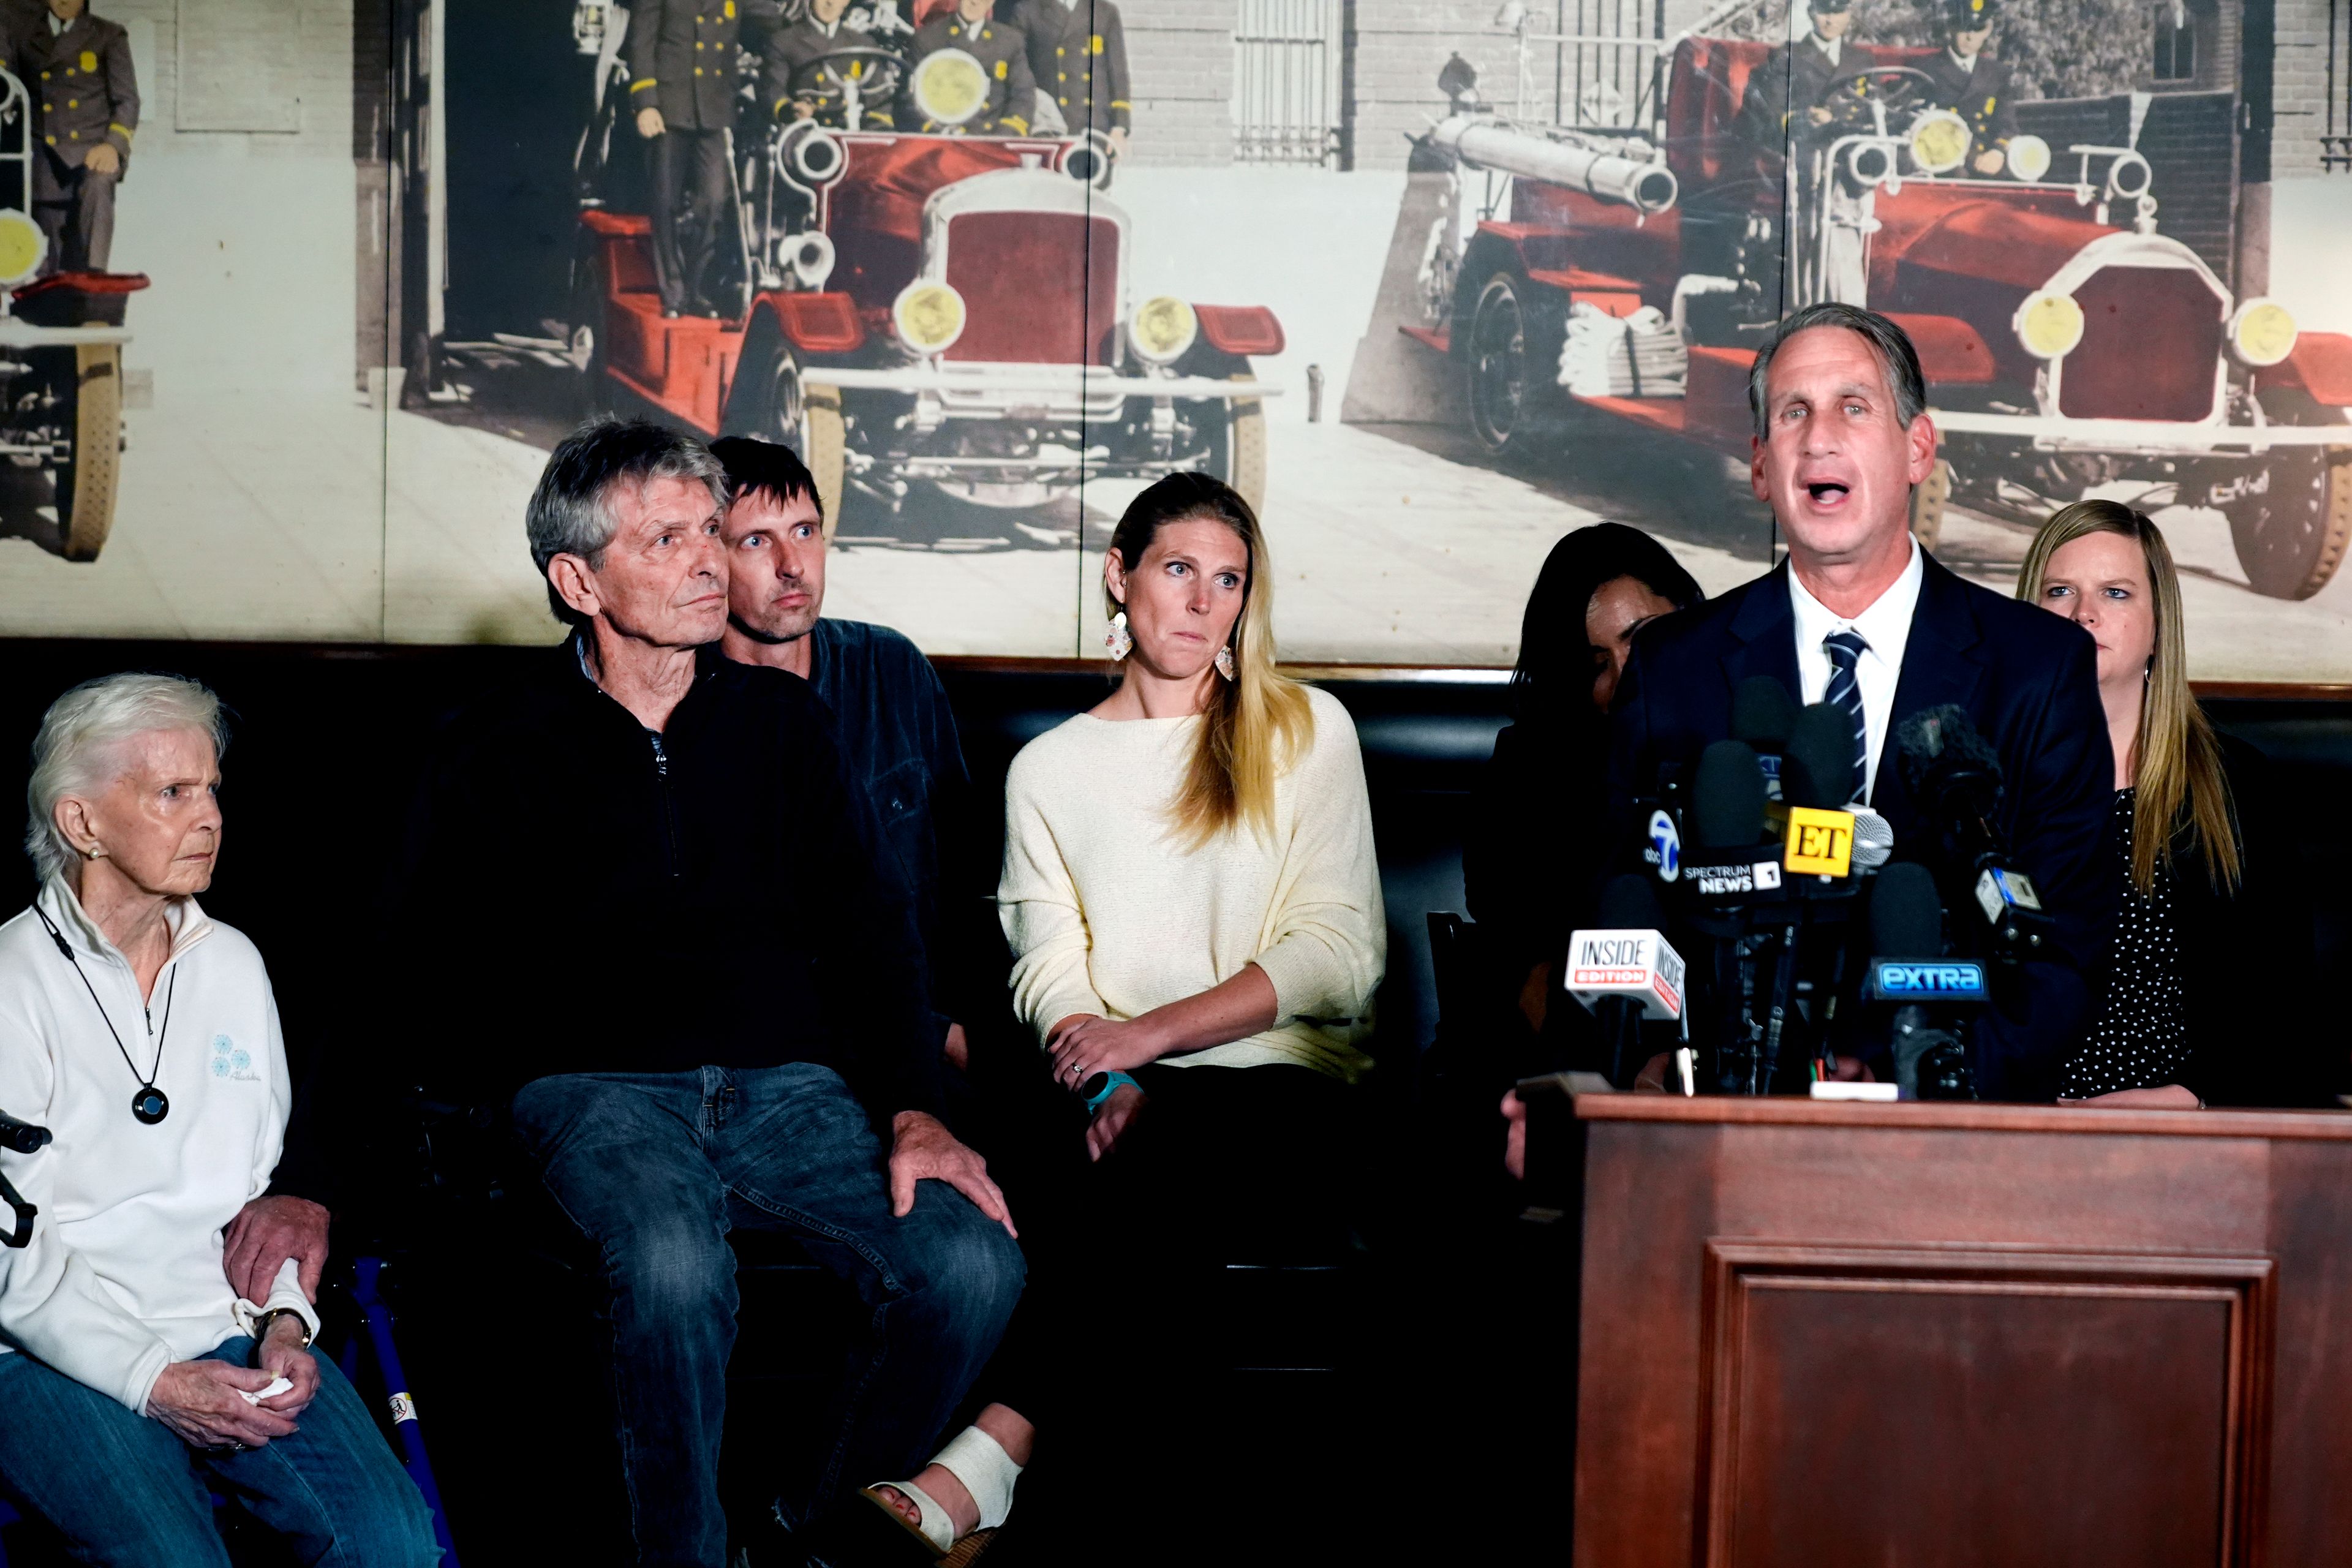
(74, 751)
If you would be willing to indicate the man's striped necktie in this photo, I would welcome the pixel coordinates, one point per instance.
(1844, 649)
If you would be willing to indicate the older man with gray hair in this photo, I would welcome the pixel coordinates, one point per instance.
(678, 969)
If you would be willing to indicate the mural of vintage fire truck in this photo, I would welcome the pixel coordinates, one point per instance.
(926, 315)
(61, 339)
(2069, 343)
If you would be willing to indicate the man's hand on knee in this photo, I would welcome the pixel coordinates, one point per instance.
(923, 1150)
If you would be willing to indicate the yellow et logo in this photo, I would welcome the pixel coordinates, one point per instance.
(1819, 842)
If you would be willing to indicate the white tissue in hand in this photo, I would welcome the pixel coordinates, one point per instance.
(278, 1387)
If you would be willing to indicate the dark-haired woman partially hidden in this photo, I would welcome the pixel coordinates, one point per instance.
(1531, 861)
(2207, 893)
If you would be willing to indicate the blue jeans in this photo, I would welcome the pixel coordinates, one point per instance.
(124, 1492)
(655, 1169)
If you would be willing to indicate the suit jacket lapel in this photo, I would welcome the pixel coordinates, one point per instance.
(1765, 635)
(1941, 664)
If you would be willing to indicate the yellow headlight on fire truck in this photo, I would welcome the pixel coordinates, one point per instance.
(951, 86)
(2262, 333)
(1163, 328)
(2029, 157)
(23, 248)
(2049, 325)
(1939, 142)
(929, 316)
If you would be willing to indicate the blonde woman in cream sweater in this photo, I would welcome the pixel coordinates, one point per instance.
(1194, 904)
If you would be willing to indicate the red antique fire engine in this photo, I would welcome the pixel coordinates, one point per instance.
(947, 312)
(2067, 343)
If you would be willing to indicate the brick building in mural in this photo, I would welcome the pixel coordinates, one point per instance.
(1346, 82)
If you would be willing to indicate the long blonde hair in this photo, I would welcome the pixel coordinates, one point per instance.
(2183, 794)
(1256, 724)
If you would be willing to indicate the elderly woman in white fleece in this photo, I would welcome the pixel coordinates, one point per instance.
(134, 1381)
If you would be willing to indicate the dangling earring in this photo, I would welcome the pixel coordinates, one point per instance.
(1225, 661)
(1117, 639)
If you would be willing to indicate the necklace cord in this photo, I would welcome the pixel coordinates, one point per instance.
(147, 1082)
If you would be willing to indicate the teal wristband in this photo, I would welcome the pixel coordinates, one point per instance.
(1111, 1086)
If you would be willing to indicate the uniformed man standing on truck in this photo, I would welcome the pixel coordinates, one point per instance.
(86, 111)
(1003, 54)
(1077, 52)
(682, 85)
(1973, 85)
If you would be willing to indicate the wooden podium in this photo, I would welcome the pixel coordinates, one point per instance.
(1818, 1334)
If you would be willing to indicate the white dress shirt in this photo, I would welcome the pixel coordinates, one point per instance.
(1834, 47)
(1885, 626)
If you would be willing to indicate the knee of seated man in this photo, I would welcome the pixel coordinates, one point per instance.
(669, 1263)
(970, 1270)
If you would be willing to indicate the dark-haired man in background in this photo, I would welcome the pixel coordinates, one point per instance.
(1859, 615)
(896, 730)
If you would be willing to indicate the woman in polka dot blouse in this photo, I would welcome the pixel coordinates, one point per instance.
(2207, 900)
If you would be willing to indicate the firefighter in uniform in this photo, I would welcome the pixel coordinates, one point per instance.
(1973, 85)
(1785, 94)
(1077, 52)
(682, 85)
(86, 111)
(803, 43)
(1003, 54)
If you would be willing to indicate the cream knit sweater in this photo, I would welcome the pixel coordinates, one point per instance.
(1108, 914)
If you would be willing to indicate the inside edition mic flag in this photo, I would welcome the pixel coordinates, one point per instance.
(1625, 971)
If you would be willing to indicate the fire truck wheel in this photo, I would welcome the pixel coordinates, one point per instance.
(2291, 538)
(85, 485)
(1927, 500)
(1502, 364)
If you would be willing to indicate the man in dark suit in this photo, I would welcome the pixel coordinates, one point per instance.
(682, 83)
(1859, 615)
(1972, 84)
(1784, 96)
(86, 102)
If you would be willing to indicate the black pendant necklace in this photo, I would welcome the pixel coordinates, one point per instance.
(150, 1104)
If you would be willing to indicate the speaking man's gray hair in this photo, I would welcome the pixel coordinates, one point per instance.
(78, 750)
(1889, 342)
(571, 513)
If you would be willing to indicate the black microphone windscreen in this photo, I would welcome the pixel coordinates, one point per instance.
(1727, 796)
(1762, 713)
(1941, 736)
(1630, 903)
(1906, 919)
(1818, 769)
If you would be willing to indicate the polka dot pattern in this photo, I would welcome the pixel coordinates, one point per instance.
(2141, 1038)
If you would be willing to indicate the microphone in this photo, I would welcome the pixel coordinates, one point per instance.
(1763, 715)
(21, 1136)
(1874, 838)
(1910, 972)
(1954, 775)
(1624, 970)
